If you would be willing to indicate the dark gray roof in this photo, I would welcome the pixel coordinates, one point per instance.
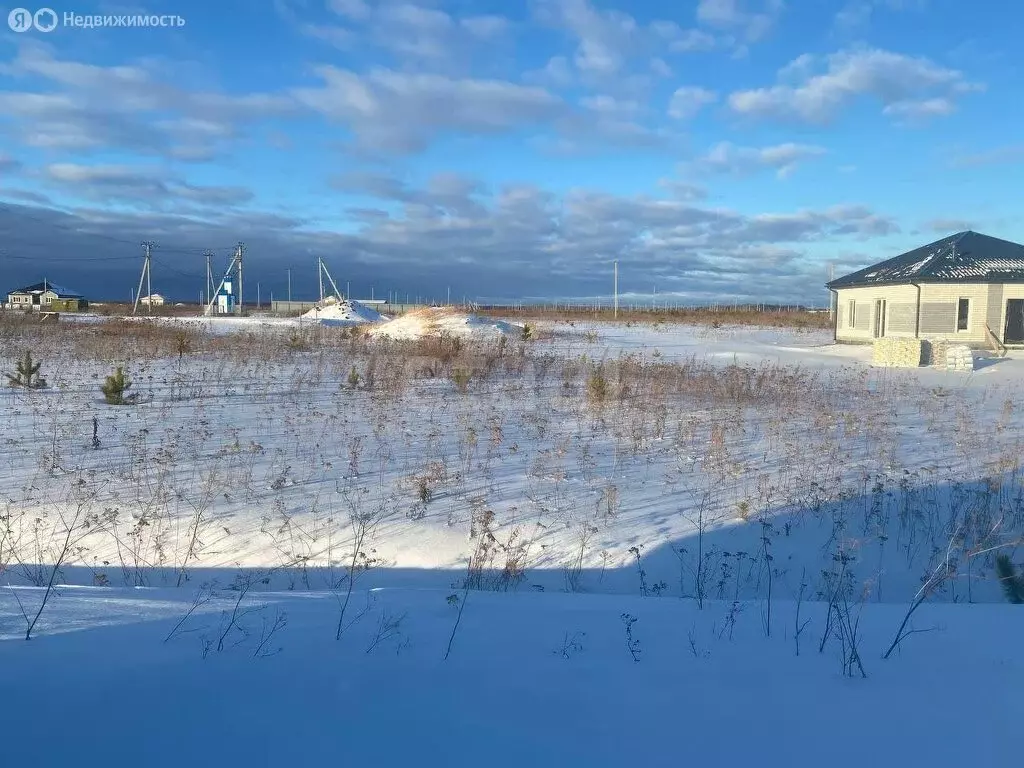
(966, 257)
(64, 293)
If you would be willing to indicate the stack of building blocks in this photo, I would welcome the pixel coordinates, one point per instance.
(959, 358)
(897, 353)
(935, 352)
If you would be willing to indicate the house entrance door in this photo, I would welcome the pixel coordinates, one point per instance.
(1013, 333)
(879, 318)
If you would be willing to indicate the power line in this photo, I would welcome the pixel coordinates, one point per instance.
(175, 270)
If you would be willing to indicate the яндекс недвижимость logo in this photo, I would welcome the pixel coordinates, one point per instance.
(46, 20)
(22, 20)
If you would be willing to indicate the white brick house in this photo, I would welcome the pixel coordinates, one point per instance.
(955, 289)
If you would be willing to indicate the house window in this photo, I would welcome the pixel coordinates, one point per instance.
(963, 313)
(851, 313)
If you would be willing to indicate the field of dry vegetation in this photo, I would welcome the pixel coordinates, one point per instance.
(706, 316)
(312, 457)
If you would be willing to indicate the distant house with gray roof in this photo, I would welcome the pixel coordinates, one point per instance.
(47, 297)
(957, 288)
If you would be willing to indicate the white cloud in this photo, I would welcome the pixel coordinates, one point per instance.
(692, 41)
(8, 164)
(148, 185)
(403, 112)
(418, 34)
(485, 27)
(611, 106)
(727, 158)
(921, 109)
(89, 107)
(353, 9)
(854, 15)
(948, 226)
(687, 101)
(508, 241)
(903, 84)
(660, 67)
(732, 16)
(857, 14)
(683, 190)
(557, 73)
(608, 41)
(604, 39)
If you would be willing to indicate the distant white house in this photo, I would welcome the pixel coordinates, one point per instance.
(153, 300)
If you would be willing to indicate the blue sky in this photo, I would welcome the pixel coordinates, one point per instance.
(717, 149)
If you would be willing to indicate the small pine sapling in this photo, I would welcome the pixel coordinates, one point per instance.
(115, 387)
(353, 378)
(461, 378)
(27, 374)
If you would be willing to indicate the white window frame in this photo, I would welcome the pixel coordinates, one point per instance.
(851, 313)
(967, 329)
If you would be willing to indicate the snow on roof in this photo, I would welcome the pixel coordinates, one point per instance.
(963, 257)
(39, 288)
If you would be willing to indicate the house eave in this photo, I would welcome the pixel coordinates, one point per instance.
(988, 280)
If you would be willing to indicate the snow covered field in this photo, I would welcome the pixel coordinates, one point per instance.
(598, 471)
(532, 679)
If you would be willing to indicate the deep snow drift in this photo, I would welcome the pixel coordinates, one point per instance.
(435, 321)
(349, 312)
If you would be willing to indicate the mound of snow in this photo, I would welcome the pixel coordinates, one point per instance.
(435, 321)
(347, 312)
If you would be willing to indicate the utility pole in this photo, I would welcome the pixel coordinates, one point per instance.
(831, 295)
(289, 287)
(234, 268)
(325, 271)
(257, 295)
(616, 311)
(240, 250)
(209, 272)
(320, 274)
(146, 277)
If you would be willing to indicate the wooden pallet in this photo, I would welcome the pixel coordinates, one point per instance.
(994, 342)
